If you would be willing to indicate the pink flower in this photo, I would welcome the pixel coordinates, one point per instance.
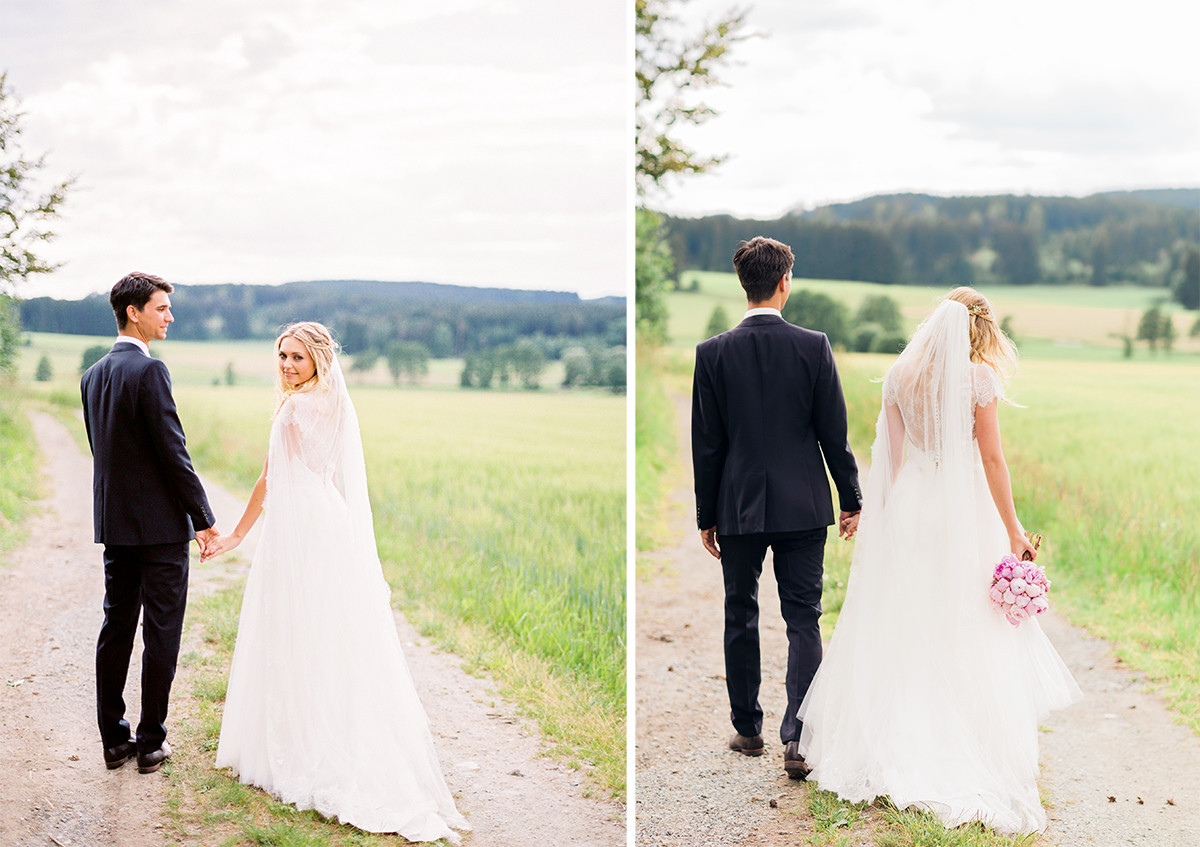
(1002, 584)
(1018, 586)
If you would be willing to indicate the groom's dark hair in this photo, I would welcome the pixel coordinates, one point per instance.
(760, 264)
(135, 290)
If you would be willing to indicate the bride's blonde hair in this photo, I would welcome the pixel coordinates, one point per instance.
(321, 347)
(989, 344)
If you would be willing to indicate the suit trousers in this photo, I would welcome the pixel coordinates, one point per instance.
(153, 580)
(799, 565)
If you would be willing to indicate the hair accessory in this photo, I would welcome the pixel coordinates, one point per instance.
(978, 311)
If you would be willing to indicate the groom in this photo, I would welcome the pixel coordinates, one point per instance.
(766, 406)
(147, 505)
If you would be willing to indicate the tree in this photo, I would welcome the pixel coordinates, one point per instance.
(92, 355)
(1187, 288)
(410, 358)
(1016, 253)
(25, 211)
(10, 336)
(364, 362)
(669, 68)
(653, 267)
(718, 322)
(577, 366)
(528, 361)
(814, 310)
(45, 371)
(1156, 326)
(879, 309)
(230, 374)
(614, 374)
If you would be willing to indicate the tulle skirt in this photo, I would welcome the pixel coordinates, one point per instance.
(321, 711)
(925, 693)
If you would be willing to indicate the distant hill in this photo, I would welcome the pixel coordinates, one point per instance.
(449, 319)
(1143, 237)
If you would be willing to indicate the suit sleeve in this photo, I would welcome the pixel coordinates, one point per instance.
(709, 444)
(829, 421)
(166, 433)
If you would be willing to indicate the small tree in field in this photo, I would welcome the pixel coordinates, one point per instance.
(45, 371)
(91, 356)
(718, 322)
(410, 358)
(1155, 326)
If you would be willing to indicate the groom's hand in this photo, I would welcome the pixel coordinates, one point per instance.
(848, 524)
(708, 537)
(205, 537)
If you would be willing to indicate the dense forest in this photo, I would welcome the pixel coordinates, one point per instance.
(1147, 238)
(448, 320)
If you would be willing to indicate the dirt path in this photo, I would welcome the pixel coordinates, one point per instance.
(54, 788)
(1120, 741)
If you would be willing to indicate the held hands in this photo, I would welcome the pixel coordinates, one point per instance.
(708, 537)
(848, 524)
(220, 545)
(205, 538)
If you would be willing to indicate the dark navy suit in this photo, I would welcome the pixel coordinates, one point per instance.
(147, 505)
(768, 415)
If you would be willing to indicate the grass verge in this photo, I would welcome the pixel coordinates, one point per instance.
(837, 823)
(19, 483)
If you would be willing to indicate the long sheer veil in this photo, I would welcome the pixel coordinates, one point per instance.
(317, 438)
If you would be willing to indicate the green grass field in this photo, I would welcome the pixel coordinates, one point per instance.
(500, 518)
(1060, 322)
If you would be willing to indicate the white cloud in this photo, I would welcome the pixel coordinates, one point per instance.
(844, 99)
(465, 143)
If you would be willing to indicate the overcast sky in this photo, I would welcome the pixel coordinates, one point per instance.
(847, 98)
(476, 142)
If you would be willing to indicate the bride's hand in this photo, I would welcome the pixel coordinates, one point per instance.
(219, 545)
(1020, 545)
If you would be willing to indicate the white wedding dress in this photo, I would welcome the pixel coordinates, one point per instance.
(321, 711)
(926, 694)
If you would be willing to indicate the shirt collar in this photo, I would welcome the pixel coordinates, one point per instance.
(763, 310)
(141, 345)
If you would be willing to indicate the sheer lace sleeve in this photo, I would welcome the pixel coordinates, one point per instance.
(987, 385)
(310, 424)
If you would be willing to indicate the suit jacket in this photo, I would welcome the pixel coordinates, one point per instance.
(144, 488)
(766, 405)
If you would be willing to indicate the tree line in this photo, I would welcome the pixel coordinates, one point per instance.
(1149, 238)
(404, 324)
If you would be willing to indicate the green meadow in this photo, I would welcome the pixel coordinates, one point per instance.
(499, 514)
(1050, 321)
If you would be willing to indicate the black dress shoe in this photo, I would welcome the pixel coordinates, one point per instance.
(114, 757)
(150, 762)
(747, 745)
(794, 763)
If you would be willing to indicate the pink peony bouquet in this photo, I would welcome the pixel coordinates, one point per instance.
(1019, 589)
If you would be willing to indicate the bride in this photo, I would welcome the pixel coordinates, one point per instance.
(321, 711)
(926, 694)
